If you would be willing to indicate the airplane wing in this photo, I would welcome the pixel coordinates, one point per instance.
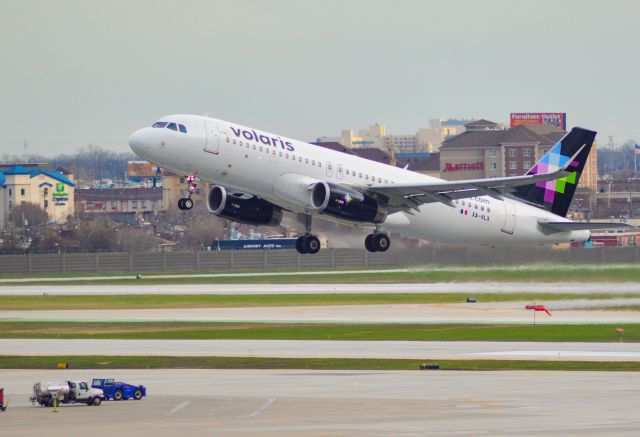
(553, 227)
(405, 197)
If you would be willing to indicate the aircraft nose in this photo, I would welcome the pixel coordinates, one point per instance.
(139, 140)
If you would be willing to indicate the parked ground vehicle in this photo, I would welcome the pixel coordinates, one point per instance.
(68, 392)
(117, 390)
(3, 406)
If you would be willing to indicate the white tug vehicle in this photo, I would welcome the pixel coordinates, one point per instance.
(68, 392)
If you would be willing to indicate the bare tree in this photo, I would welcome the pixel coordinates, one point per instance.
(134, 239)
(28, 215)
(98, 234)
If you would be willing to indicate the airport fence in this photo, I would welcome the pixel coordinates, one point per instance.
(289, 259)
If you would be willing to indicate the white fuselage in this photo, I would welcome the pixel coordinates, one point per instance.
(251, 161)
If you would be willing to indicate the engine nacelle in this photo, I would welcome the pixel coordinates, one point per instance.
(242, 208)
(353, 205)
(302, 192)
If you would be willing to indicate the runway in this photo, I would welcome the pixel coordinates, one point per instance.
(327, 349)
(563, 312)
(471, 288)
(342, 403)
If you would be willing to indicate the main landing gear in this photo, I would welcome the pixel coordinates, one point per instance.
(377, 242)
(307, 243)
(185, 203)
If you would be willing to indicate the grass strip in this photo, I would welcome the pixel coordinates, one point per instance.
(620, 273)
(432, 273)
(320, 331)
(156, 362)
(152, 301)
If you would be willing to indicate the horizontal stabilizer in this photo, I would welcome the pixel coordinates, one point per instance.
(582, 226)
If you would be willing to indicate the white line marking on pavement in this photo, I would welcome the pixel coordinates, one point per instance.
(260, 409)
(556, 353)
(178, 407)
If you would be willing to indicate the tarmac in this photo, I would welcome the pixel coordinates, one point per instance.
(563, 312)
(342, 403)
(422, 350)
(472, 288)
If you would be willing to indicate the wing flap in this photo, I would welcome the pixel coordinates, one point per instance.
(582, 226)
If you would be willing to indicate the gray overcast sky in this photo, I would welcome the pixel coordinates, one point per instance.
(78, 72)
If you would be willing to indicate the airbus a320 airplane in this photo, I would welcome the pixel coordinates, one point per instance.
(257, 175)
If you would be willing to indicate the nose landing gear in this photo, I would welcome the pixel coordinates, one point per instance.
(377, 242)
(186, 203)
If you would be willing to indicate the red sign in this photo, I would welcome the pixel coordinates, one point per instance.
(464, 166)
(558, 119)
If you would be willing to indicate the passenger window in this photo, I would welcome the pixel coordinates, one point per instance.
(183, 129)
(274, 153)
(280, 154)
(306, 160)
(241, 143)
(299, 158)
(488, 209)
(360, 175)
(366, 177)
(313, 162)
(261, 148)
(319, 164)
(227, 139)
(379, 180)
(172, 126)
(254, 147)
(234, 141)
(286, 156)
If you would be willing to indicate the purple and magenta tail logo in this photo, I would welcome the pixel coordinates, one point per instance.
(553, 161)
(252, 135)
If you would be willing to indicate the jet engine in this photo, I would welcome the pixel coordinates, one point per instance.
(302, 193)
(242, 207)
(352, 205)
(306, 194)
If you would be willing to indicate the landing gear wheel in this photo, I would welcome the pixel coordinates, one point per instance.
(185, 204)
(312, 244)
(300, 245)
(368, 243)
(377, 242)
(308, 244)
(381, 242)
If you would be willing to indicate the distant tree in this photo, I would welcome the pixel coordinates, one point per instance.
(201, 230)
(28, 215)
(134, 239)
(98, 234)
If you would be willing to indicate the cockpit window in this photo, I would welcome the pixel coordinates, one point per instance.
(183, 129)
(160, 124)
(172, 126)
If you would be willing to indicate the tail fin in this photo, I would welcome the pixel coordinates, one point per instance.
(556, 195)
